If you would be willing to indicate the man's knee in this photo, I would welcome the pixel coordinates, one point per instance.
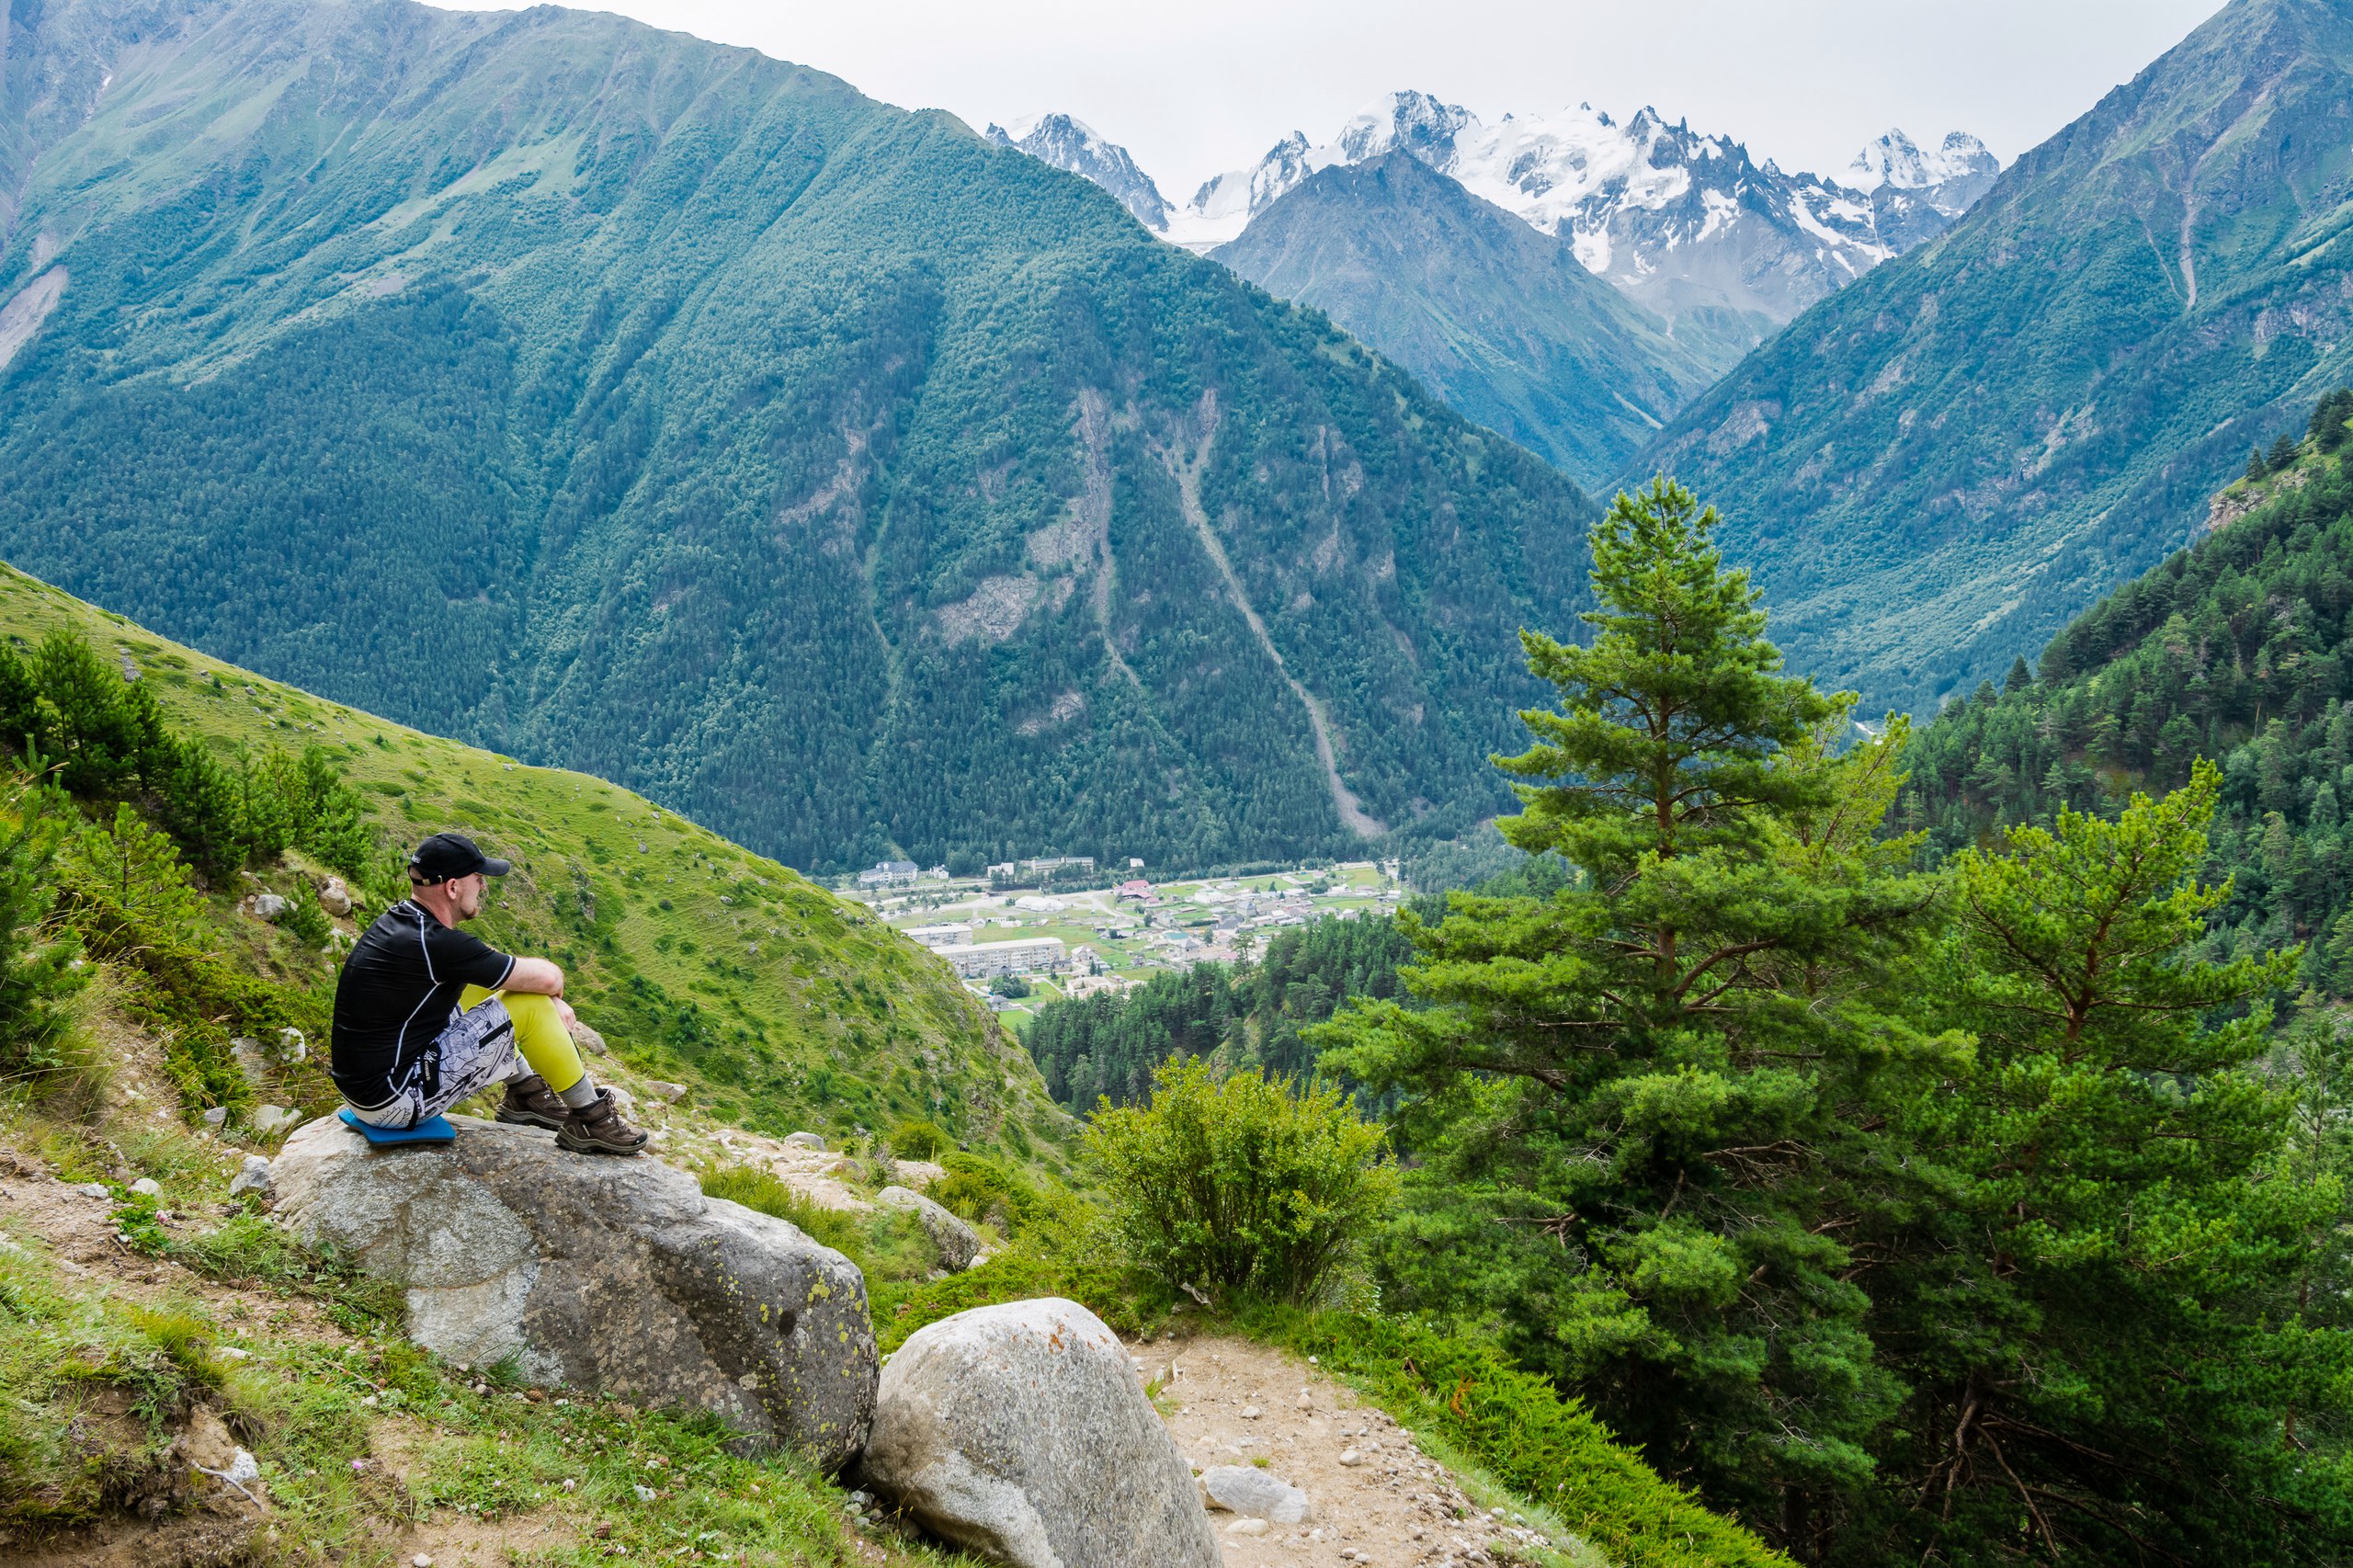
(522, 1005)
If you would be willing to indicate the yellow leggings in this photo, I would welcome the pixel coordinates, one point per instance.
(539, 1035)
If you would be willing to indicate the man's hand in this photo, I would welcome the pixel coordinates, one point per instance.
(535, 977)
(563, 1010)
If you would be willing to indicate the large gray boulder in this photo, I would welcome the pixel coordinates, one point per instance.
(613, 1275)
(957, 1242)
(1021, 1432)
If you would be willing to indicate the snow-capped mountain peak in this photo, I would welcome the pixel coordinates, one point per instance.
(1896, 160)
(1680, 219)
(1071, 144)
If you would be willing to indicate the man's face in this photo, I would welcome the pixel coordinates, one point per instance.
(465, 896)
(460, 898)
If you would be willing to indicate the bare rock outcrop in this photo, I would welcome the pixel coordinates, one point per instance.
(611, 1275)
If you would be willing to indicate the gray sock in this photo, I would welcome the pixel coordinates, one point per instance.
(581, 1095)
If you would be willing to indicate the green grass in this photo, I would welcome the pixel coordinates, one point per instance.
(94, 1384)
(780, 1005)
(889, 1245)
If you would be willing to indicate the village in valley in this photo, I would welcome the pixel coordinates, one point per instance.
(1029, 932)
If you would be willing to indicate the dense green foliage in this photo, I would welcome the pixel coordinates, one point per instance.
(1936, 468)
(103, 737)
(1640, 1098)
(1503, 321)
(1241, 1186)
(2234, 651)
(37, 952)
(1109, 1044)
(1915, 1217)
(671, 412)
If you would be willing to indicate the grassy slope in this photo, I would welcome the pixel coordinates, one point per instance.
(699, 961)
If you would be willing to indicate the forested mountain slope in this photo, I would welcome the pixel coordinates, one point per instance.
(670, 413)
(2235, 650)
(1932, 469)
(782, 1005)
(1501, 320)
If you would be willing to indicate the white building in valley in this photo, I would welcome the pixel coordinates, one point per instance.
(1029, 955)
(955, 935)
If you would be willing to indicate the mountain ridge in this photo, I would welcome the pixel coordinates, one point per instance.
(1930, 472)
(682, 415)
(1503, 321)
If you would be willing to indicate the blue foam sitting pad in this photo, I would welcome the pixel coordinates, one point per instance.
(432, 1130)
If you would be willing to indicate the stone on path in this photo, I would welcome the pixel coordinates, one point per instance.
(614, 1274)
(1249, 1491)
(253, 1177)
(1019, 1431)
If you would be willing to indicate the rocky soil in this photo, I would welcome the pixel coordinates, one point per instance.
(1378, 1499)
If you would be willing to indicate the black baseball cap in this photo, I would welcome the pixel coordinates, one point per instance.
(447, 855)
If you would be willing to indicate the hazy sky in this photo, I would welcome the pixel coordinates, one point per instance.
(1211, 85)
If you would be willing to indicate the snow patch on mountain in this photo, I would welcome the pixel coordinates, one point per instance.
(1073, 145)
(1684, 221)
(1895, 159)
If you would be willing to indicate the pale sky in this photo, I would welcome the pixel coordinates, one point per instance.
(1195, 88)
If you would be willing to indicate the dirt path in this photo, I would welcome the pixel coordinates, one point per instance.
(1376, 1497)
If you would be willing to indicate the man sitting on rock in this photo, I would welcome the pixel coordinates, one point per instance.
(426, 1015)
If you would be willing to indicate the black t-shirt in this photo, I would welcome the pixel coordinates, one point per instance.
(398, 990)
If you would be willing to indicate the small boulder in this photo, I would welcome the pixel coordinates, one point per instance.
(1246, 1490)
(956, 1242)
(250, 1058)
(674, 1093)
(617, 1276)
(216, 1117)
(147, 1187)
(267, 907)
(804, 1141)
(1019, 1431)
(252, 1176)
(335, 898)
(271, 1119)
(291, 1046)
(588, 1040)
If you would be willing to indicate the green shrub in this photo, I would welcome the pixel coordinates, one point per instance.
(1119, 1298)
(920, 1140)
(39, 956)
(1249, 1186)
(885, 1243)
(987, 1192)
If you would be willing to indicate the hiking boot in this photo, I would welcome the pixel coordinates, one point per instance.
(530, 1103)
(598, 1128)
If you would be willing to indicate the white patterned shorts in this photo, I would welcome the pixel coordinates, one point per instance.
(476, 1051)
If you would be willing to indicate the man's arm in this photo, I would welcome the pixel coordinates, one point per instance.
(540, 977)
(534, 977)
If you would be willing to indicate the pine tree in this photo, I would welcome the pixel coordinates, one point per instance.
(2097, 1318)
(2257, 469)
(2283, 453)
(1644, 1103)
